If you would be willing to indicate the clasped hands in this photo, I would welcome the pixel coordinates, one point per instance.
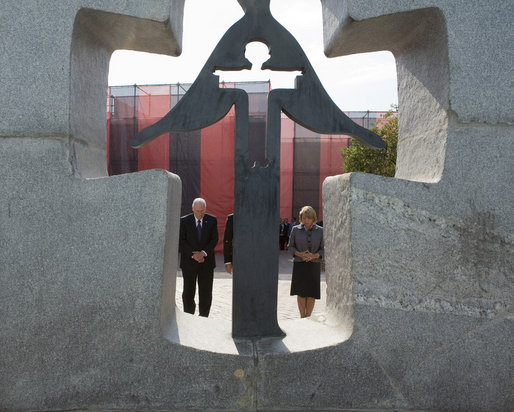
(307, 256)
(199, 256)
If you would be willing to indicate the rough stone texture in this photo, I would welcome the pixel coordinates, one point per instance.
(55, 60)
(419, 269)
(480, 88)
(405, 255)
(430, 254)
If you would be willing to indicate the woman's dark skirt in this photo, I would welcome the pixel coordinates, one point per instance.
(306, 279)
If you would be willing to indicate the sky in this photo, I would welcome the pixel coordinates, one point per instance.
(357, 82)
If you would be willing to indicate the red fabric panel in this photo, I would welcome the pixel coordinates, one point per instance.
(153, 106)
(156, 154)
(331, 162)
(153, 102)
(217, 171)
(286, 167)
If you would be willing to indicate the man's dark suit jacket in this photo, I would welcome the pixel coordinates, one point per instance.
(227, 239)
(188, 240)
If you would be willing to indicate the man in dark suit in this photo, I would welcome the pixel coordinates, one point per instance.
(227, 243)
(198, 237)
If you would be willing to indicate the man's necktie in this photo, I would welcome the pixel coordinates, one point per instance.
(199, 230)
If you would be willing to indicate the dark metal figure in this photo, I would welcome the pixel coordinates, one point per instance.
(257, 196)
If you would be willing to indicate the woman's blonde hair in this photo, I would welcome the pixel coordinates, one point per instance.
(308, 211)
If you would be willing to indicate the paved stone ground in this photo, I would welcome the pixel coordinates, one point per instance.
(222, 291)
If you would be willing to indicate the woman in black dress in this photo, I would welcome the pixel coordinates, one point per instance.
(306, 246)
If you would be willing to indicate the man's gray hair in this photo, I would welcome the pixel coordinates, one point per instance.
(200, 200)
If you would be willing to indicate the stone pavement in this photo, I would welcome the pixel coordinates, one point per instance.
(222, 291)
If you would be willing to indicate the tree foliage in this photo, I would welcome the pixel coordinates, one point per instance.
(360, 158)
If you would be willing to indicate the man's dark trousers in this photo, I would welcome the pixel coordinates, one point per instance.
(204, 275)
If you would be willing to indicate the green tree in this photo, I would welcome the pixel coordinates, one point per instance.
(360, 158)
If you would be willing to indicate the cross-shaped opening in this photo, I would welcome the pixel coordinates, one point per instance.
(257, 62)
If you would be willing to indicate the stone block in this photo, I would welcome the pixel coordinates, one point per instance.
(56, 59)
(477, 83)
(429, 255)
